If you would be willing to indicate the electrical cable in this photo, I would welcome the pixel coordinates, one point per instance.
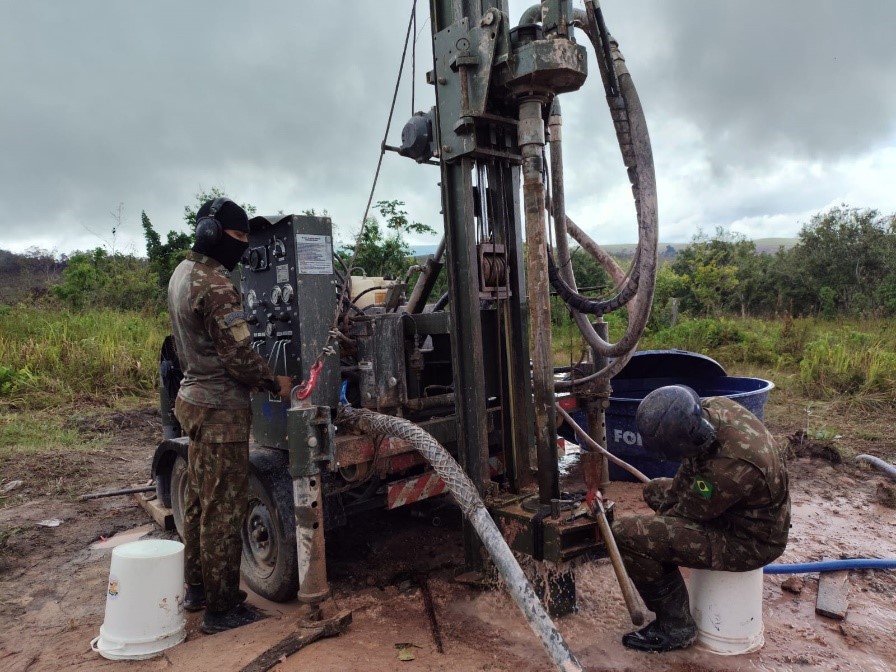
(830, 566)
(346, 290)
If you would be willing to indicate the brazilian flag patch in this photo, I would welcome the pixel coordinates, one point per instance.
(702, 487)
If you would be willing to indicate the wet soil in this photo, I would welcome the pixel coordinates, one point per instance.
(53, 585)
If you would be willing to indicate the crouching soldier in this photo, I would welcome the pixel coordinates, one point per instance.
(727, 508)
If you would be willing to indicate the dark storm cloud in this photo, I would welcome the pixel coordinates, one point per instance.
(147, 102)
(284, 104)
(804, 77)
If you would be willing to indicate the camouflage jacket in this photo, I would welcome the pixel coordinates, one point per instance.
(212, 337)
(740, 484)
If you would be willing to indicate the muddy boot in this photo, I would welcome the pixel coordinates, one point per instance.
(194, 598)
(219, 621)
(674, 627)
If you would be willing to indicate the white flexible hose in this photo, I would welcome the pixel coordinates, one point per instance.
(467, 498)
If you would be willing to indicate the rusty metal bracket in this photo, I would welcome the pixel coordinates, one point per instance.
(554, 539)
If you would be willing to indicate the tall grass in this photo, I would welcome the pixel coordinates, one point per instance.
(50, 357)
(54, 357)
(849, 362)
(826, 359)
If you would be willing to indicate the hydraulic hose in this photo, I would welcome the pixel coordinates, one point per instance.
(467, 498)
(634, 144)
(563, 279)
(602, 257)
(594, 445)
(830, 566)
(584, 304)
(886, 467)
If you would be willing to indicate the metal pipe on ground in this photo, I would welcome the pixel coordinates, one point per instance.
(886, 467)
(116, 493)
(467, 498)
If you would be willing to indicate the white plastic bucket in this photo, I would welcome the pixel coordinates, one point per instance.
(727, 607)
(144, 601)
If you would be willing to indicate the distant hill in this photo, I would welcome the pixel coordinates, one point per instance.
(772, 244)
(763, 245)
(25, 276)
(425, 250)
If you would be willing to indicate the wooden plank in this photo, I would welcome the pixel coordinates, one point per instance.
(305, 635)
(163, 517)
(833, 594)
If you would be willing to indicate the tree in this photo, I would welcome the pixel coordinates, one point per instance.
(709, 267)
(670, 287)
(384, 253)
(589, 274)
(843, 256)
(99, 280)
(204, 196)
(164, 257)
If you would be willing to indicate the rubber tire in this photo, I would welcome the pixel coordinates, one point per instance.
(178, 492)
(270, 565)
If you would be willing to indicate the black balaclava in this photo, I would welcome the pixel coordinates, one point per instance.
(227, 250)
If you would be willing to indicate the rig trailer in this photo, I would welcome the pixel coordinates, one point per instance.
(398, 401)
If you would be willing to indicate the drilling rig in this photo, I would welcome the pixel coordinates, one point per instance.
(399, 402)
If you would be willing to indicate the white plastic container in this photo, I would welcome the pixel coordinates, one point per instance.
(727, 607)
(369, 291)
(144, 601)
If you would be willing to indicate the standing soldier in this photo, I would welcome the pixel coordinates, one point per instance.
(727, 508)
(220, 368)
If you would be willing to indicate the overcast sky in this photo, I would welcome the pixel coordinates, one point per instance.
(761, 114)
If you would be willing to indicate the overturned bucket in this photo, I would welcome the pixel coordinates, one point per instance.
(144, 601)
(727, 607)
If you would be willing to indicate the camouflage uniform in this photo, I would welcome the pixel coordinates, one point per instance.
(214, 347)
(726, 509)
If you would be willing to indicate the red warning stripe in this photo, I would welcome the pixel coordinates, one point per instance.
(414, 489)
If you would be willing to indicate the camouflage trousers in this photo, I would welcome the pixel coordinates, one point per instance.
(655, 545)
(216, 499)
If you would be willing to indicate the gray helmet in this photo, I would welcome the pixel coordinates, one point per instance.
(671, 423)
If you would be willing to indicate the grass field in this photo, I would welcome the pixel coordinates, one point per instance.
(59, 369)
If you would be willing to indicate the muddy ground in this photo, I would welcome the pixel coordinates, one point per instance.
(53, 586)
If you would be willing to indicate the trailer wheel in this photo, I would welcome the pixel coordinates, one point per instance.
(179, 479)
(270, 566)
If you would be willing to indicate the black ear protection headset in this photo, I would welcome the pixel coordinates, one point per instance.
(208, 229)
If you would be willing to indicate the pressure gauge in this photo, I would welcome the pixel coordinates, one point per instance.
(251, 299)
(287, 293)
(279, 248)
(276, 295)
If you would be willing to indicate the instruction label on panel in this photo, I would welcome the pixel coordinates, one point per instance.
(283, 273)
(314, 254)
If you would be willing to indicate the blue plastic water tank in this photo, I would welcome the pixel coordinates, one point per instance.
(651, 369)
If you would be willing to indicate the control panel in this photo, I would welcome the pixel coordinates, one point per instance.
(289, 292)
